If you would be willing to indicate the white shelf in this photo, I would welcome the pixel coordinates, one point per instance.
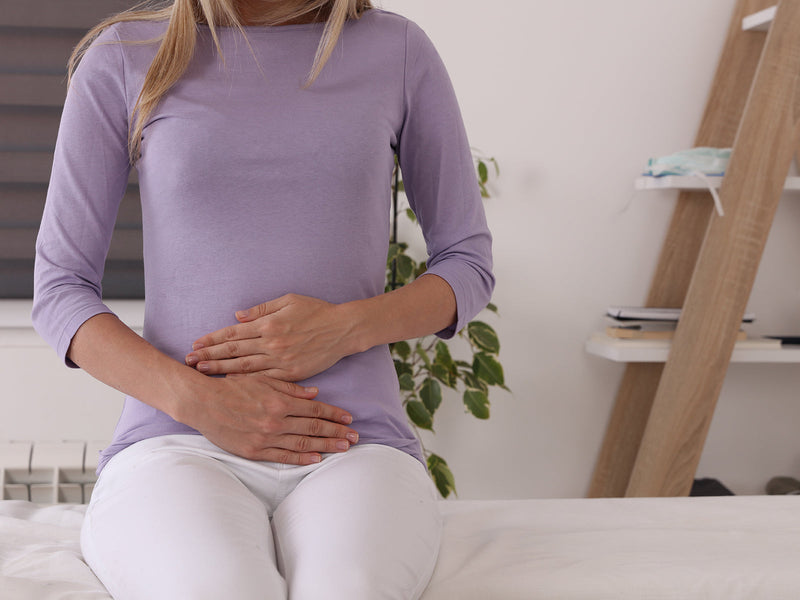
(754, 350)
(759, 21)
(690, 182)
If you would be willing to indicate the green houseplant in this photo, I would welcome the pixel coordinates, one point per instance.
(425, 365)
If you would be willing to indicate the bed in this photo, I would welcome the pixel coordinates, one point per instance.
(644, 548)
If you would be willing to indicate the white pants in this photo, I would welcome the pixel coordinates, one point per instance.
(177, 518)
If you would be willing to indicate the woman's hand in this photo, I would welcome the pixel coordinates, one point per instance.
(290, 338)
(253, 416)
(260, 418)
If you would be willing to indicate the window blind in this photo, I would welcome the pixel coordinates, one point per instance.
(36, 39)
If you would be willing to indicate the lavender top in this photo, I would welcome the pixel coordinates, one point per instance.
(253, 187)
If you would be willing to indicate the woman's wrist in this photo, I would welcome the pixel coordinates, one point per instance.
(423, 307)
(183, 385)
(357, 332)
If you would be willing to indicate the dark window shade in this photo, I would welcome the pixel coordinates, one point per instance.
(36, 38)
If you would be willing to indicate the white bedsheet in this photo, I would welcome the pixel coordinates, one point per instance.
(645, 549)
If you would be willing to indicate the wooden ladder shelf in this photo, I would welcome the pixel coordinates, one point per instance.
(708, 263)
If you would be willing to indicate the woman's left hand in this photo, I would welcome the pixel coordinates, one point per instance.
(290, 338)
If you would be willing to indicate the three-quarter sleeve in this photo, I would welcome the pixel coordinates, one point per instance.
(88, 179)
(440, 181)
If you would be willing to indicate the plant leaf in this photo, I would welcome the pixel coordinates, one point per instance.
(405, 266)
(444, 369)
(473, 383)
(483, 336)
(423, 355)
(483, 172)
(491, 307)
(477, 402)
(394, 250)
(446, 376)
(486, 367)
(406, 382)
(431, 394)
(419, 415)
(441, 475)
(411, 216)
(402, 367)
(443, 356)
(402, 349)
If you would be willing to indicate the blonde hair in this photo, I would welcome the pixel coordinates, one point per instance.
(178, 43)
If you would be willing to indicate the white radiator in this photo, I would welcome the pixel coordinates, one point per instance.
(49, 472)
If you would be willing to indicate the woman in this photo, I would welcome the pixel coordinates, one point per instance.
(264, 134)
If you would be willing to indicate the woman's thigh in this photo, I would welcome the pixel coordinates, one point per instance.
(167, 520)
(364, 526)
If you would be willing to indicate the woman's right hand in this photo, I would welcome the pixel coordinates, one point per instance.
(261, 418)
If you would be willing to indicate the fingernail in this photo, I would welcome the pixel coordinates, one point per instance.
(342, 445)
(241, 314)
(353, 437)
(191, 360)
(203, 367)
(311, 390)
(346, 419)
(314, 458)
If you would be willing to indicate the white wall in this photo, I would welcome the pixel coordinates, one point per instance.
(571, 98)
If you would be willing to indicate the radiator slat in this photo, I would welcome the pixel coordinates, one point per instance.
(49, 472)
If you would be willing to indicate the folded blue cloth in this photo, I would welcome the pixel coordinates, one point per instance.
(708, 161)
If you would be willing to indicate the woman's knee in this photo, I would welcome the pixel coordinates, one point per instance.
(367, 527)
(179, 526)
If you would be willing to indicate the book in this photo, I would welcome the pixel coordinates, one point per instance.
(652, 325)
(641, 313)
(630, 329)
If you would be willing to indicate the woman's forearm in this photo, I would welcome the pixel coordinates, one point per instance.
(420, 308)
(295, 337)
(111, 352)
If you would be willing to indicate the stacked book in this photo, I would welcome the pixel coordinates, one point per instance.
(638, 323)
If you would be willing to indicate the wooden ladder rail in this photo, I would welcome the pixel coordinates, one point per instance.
(662, 413)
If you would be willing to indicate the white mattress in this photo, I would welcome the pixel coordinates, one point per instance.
(645, 549)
